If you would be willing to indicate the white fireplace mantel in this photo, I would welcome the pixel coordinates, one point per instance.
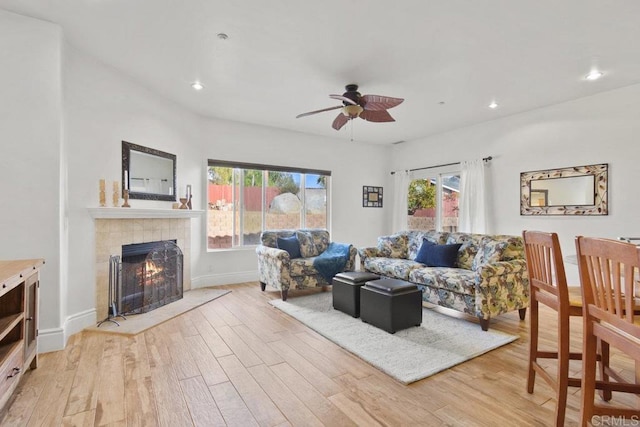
(134, 213)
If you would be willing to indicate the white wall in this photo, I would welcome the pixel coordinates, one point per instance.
(32, 223)
(104, 107)
(599, 129)
(352, 165)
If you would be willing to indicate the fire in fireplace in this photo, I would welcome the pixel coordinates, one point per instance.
(151, 276)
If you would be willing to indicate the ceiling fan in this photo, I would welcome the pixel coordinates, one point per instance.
(372, 108)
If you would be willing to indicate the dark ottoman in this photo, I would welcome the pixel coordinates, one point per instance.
(391, 304)
(346, 290)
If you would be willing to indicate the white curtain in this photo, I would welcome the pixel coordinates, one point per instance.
(472, 204)
(400, 190)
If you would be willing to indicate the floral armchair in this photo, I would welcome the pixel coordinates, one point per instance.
(278, 269)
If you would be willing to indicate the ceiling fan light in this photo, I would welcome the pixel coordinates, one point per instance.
(352, 110)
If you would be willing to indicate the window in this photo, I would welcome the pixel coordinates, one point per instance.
(433, 202)
(245, 199)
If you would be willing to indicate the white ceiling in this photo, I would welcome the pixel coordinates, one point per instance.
(284, 57)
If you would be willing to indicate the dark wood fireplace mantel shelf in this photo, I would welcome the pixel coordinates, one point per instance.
(133, 213)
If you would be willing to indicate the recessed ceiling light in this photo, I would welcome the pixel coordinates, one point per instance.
(594, 75)
(493, 105)
(197, 85)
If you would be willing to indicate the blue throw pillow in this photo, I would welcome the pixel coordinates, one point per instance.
(291, 245)
(421, 257)
(438, 255)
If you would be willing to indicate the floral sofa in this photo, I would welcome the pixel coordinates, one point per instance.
(278, 270)
(490, 276)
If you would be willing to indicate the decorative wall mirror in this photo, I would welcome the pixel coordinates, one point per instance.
(579, 190)
(147, 173)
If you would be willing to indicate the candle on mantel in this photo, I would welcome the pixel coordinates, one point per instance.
(116, 194)
(103, 201)
(126, 180)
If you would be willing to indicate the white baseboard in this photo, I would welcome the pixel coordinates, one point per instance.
(55, 339)
(77, 322)
(224, 279)
(51, 340)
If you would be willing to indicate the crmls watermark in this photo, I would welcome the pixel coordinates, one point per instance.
(609, 420)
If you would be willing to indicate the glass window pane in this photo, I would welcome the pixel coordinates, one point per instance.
(251, 206)
(421, 202)
(315, 201)
(237, 206)
(449, 202)
(220, 215)
(283, 203)
(244, 202)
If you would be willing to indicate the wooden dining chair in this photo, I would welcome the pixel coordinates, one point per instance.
(608, 275)
(548, 284)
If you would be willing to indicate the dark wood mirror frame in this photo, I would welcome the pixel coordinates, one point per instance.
(127, 148)
(600, 204)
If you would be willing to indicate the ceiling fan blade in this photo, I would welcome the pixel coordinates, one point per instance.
(378, 103)
(343, 98)
(318, 111)
(339, 121)
(376, 116)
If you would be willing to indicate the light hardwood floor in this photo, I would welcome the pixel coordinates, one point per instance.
(238, 361)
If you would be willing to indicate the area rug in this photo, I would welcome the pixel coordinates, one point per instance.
(136, 323)
(408, 355)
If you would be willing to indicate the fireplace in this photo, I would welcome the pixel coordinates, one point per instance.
(115, 227)
(152, 276)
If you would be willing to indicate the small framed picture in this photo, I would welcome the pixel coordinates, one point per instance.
(371, 197)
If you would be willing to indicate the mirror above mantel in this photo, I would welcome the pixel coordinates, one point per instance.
(577, 190)
(147, 173)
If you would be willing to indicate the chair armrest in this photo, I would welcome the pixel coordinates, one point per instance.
(366, 253)
(351, 262)
(502, 287)
(274, 267)
(266, 251)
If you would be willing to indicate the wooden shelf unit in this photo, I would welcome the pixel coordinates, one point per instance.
(19, 284)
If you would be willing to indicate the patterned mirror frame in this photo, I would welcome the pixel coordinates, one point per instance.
(600, 207)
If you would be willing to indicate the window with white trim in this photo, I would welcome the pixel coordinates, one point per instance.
(432, 201)
(245, 199)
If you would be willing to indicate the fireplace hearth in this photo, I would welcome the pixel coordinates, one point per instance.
(152, 276)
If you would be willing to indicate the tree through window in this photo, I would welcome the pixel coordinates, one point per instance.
(432, 203)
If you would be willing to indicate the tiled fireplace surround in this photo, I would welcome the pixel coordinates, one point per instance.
(112, 233)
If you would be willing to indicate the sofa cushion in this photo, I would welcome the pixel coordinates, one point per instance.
(302, 267)
(391, 267)
(470, 246)
(490, 252)
(514, 249)
(320, 239)
(451, 279)
(308, 246)
(433, 255)
(394, 246)
(270, 237)
(499, 248)
(291, 245)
